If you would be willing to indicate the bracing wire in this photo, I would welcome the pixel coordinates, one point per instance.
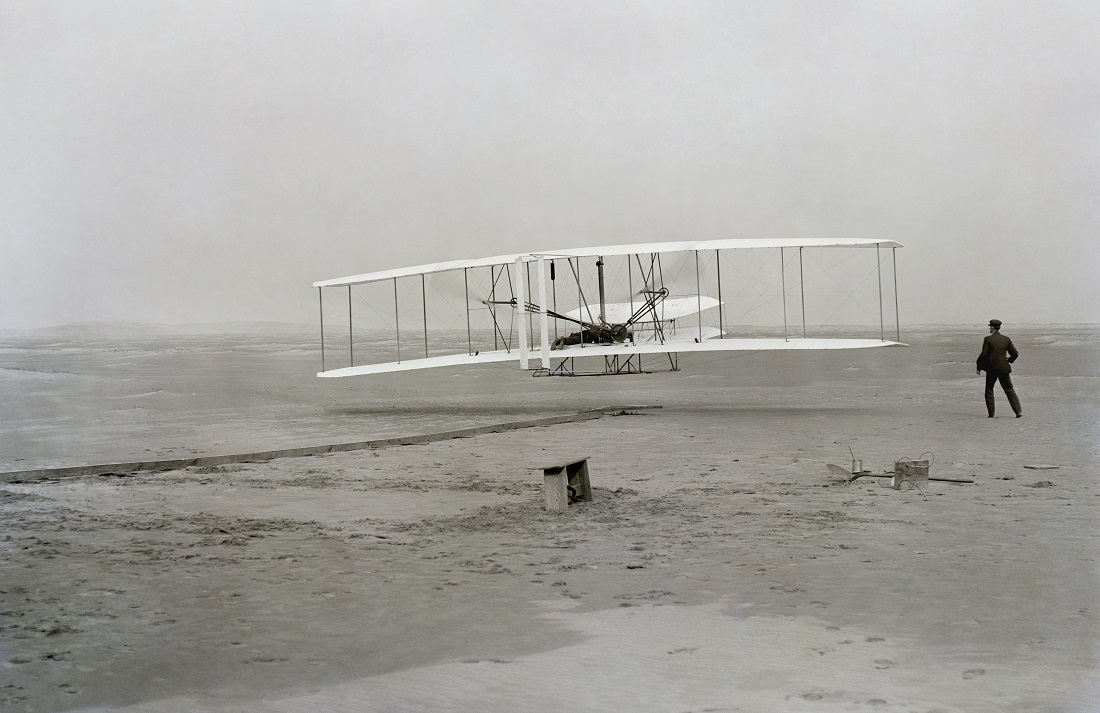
(848, 298)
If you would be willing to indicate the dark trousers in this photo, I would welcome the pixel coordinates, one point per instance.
(992, 378)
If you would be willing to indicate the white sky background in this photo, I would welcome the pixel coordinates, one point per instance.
(206, 161)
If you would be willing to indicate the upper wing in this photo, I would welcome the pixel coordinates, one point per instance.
(606, 250)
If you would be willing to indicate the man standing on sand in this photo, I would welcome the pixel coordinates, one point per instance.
(997, 355)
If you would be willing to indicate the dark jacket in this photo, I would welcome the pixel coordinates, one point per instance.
(997, 354)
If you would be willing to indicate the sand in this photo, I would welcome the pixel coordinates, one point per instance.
(719, 567)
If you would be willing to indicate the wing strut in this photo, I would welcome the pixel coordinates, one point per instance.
(721, 324)
(544, 331)
(469, 335)
(783, 289)
(897, 315)
(521, 318)
(802, 292)
(321, 304)
(878, 271)
(424, 304)
(599, 274)
(554, 293)
(397, 320)
(698, 296)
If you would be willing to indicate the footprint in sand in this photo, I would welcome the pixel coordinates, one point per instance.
(651, 595)
(973, 673)
(884, 663)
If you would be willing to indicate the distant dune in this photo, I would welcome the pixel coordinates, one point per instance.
(76, 330)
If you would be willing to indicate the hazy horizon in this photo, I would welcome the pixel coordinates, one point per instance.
(191, 162)
(225, 327)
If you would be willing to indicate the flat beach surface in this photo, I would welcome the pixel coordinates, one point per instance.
(719, 567)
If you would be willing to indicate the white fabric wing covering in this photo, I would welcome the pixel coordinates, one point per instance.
(607, 250)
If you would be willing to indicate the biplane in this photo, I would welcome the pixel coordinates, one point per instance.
(603, 310)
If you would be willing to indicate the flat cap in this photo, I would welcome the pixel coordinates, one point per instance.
(994, 323)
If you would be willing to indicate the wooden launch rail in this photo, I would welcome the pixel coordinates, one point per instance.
(24, 476)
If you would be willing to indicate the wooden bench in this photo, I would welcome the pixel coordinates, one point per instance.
(566, 483)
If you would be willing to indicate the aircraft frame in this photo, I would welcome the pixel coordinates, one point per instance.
(651, 321)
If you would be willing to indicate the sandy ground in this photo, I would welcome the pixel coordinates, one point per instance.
(720, 567)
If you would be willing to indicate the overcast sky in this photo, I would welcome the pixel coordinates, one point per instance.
(204, 161)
